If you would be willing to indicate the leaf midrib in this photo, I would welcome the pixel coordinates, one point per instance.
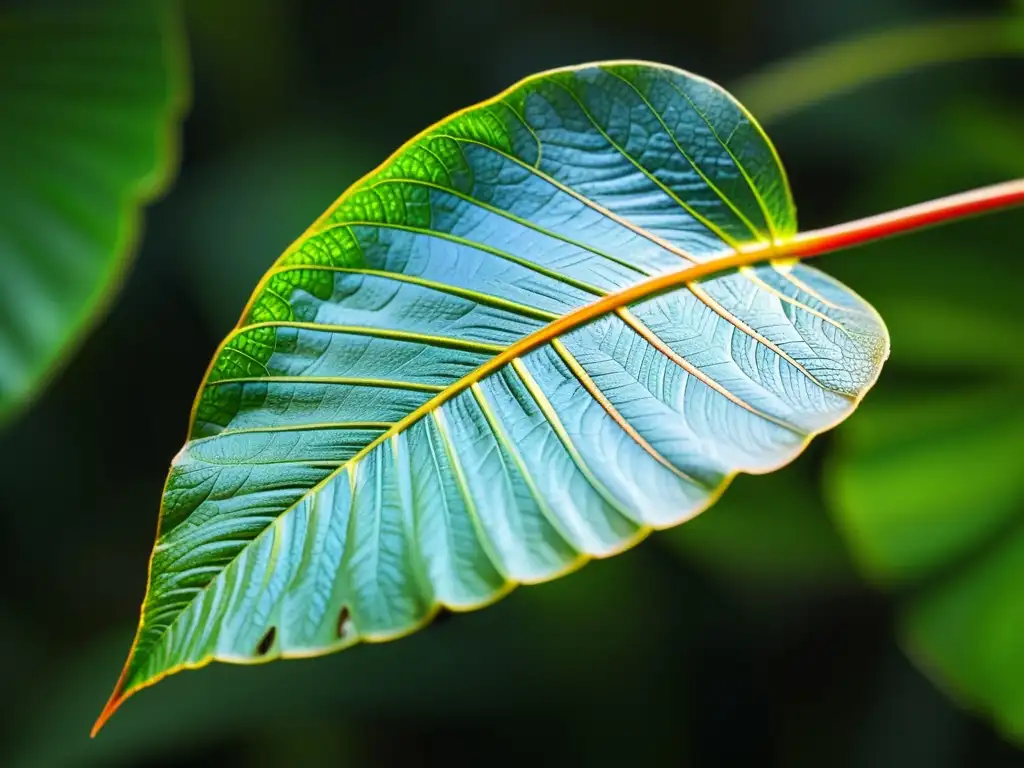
(624, 222)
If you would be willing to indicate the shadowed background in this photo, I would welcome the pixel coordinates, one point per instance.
(766, 632)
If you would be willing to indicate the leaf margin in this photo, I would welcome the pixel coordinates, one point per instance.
(746, 254)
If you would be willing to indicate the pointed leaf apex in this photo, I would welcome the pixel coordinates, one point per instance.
(117, 697)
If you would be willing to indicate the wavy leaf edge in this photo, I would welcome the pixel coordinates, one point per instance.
(782, 252)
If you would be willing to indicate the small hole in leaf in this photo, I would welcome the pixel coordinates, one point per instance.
(343, 617)
(267, 642)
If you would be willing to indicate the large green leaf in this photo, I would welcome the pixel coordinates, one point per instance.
(90, 97)
(491, 360)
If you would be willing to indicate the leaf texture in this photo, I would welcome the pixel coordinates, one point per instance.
(90, 98)
(486, 364)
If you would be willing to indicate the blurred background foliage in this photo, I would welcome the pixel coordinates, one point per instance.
(749, 636)
(92, 97)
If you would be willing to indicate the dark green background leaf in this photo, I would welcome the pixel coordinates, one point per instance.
(90, 99)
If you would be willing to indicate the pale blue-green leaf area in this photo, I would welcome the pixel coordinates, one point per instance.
(298, 519)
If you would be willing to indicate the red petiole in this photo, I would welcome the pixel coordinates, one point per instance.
(903, 220)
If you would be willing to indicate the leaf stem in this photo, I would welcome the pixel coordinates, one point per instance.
(903, 220)
(802, 246)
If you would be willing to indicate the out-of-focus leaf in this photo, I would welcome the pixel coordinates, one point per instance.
(967, 630)
(90, 99)
(925, 480)
(930, 493)
(438, 392)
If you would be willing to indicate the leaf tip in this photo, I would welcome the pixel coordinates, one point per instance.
(116, 699)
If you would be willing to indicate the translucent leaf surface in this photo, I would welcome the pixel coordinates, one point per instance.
(90, 97)
(488, 363)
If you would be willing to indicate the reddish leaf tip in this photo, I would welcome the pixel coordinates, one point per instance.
(116, 698)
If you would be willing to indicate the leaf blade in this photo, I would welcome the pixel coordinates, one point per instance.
(588, 391)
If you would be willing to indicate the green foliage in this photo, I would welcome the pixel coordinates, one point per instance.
(468, 373)
(929, 491)
(91, 98)
(926, 483)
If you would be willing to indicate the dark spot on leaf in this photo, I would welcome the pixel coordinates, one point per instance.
(267, 642)
(443, 614)
(343, 617)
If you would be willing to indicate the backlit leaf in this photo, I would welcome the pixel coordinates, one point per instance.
(492, 360)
